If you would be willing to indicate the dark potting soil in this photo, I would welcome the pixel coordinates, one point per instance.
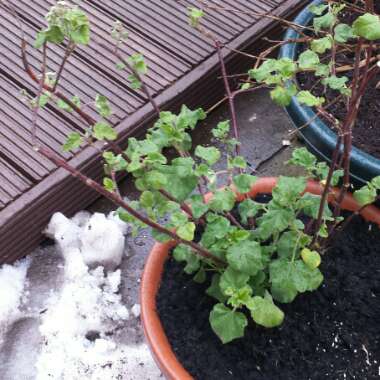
(332, 333)
(366, 133)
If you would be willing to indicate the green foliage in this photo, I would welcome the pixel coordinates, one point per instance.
(195, 16)
(367, 26)
(74, 141)
(368, 193)
(307, 98)
(103, 131)
(65, 22)
(103, 106)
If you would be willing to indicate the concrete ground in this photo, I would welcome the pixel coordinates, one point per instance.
(263, 129)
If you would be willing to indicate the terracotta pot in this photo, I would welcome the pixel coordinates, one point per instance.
(151, 279)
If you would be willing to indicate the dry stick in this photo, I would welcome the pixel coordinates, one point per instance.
(121, 203)
(230, 96)
(69, 49)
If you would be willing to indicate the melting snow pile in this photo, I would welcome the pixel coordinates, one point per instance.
(82, 322)
(12, 295)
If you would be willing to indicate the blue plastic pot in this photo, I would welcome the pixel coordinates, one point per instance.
(318, 136)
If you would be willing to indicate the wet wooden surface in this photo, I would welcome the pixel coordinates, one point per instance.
(182, 69)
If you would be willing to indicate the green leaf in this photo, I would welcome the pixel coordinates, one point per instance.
(309, 204)
(321, 45)
(198, 207)
(244, 182)
(201, 276)
(74, 141)
(367, 26)
(183, 253)
(366, 195)
(81, 35)
(232, 280)
(288, 190)
(195, 15)
(40, 39)
(311, 258)
(290, 243)
(249, 209)
(265, 313)
(306, 97)
(318, 9)
(343, 32)
(222, 130)
(214, 289)
(237, 162)
(44, 99)
(264, 71)
(376, 182)
(109, 184)
(324, 22)
(134, 81)
(103, 131)
(156, 180)
(210, 154)
(246, 257)
(226, 323)
(302, 157)
(188, 118)
(274, 221)
(305, 278)
(137, 62)
(308, 60)
(222, 200)
(283, 95)
(186, 231)
(337, 83)
(103, 106)
(64, 106)
(322, 70)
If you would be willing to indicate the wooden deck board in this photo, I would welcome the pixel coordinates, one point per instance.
(183, 69)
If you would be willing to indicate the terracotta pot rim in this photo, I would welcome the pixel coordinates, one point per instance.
(154, 332)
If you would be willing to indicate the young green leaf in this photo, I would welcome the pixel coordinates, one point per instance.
(265, 313)
(210, 154)
(232, 280)
(321, 45)
(249, 209)
(103, 106)
(367, 26)
(306, 97)
(74, 141)
(227, 324)
(366, 195)
(182, 253)
(109, 184)
(318, 9)
(283, 95)
(311, 258)
(246, 257)
(326, 21)
(343, 32)
(222, 200)
(308, 60)
(186, 231)
(214, 289)
(244, 182)
(195, 15)
(103, 131)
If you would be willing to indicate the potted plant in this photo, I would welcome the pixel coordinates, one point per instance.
(251, 257)
(335, 31)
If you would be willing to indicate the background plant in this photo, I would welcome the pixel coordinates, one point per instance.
(255, 253)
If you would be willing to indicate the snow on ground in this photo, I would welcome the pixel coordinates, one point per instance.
(75, 324)
(12, 287)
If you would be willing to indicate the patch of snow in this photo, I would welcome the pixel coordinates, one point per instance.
(102, 242)
(136, 310)
(12, 292)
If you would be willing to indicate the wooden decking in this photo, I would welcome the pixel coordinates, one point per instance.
(182, 69)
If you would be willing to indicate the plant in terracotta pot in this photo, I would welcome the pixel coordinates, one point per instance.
(252, 256)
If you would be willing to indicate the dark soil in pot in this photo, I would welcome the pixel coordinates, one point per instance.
(332, 333)
(366, 134)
